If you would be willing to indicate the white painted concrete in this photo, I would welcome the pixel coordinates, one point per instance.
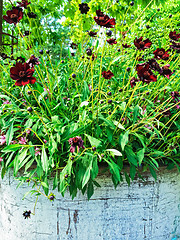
(147, 210)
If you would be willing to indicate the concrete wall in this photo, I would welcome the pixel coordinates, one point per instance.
(145, 210)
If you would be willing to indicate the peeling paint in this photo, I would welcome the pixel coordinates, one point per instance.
(148, 211)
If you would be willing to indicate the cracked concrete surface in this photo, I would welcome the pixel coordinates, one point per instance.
(148, 211)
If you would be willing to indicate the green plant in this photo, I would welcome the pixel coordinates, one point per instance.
(114, 102)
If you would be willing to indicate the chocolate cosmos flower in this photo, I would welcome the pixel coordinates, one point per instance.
(165, 71)
(126, 46)
(111, 41)
(92, 34)
(145, 74)
(154, 65)
(174, 36)
(22, 74)
(14, 15)
(160, 53)
(103, 20)
(175, 46)
(76, 142)
(84, 8)
(141, 45)
(108, 74)
(24, 3)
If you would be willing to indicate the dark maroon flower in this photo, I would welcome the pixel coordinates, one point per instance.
(133, 82)
(84, 8)
(126, 46)
(154, 65)
(27, 214)
(92, 57)
(76, 142)
(92, 34)
(160, 53)
(32, 15)
(112, 41)
(32, 61)
(14, 15)
(174, 36)
(165, 71)
(73, 45)
(22, 74)
(175, 46)
(72, 54)
(23, 3)
(141, 45)
(145, 74)
(108, 74)
(103, 20)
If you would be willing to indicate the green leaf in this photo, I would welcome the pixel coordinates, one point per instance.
(96, 183)
(131, 155)
(132, 171)
(44, 160)
(94, 170)
(86, 176)
(9, 159)
(123, 139)
(140, 155)
(115, 168)
(90, 190)
(153, 172)
(119, 125)
(114, 152)
(13, 147)
(9, 134)
(108, 122)
(44, 184)
(93, 141)
(127, 178)
(29, 164)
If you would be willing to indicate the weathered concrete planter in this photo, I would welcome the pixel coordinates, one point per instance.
(145, 210)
